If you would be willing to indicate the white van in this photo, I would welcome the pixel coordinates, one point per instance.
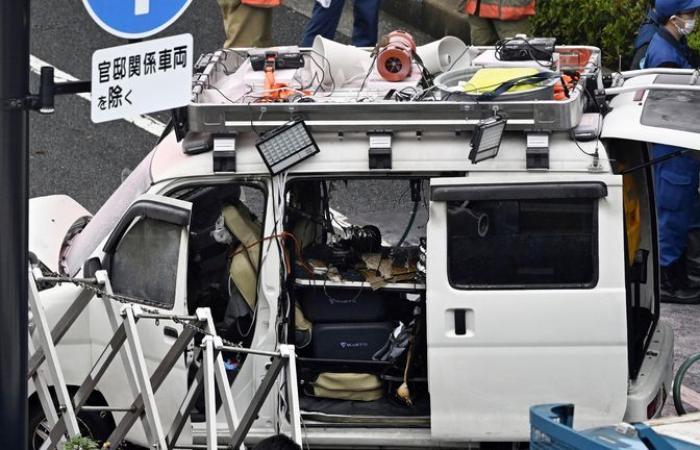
(517, 284)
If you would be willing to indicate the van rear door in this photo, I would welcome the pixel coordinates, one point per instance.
(525, 302)
(670, 117)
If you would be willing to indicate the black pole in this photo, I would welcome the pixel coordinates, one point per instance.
(14, 134)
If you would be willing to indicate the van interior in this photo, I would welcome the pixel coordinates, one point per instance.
(358, 295)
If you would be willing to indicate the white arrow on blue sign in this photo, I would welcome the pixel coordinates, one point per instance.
(135, 19)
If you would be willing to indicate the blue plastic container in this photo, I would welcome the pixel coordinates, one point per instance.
(551, 429)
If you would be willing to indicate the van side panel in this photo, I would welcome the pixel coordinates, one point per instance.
(523, 346)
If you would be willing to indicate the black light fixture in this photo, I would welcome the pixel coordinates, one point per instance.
(380, 157)
(486, 140)
(224, 154)
(286, 146)
(537, 151)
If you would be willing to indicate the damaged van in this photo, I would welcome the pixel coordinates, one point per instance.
(440, 264)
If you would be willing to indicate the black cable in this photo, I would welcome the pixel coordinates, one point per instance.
(369, 71)
(655, 161)
(330, 71)
(412, 219)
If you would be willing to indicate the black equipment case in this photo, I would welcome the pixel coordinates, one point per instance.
(350, 341)
(333, 305)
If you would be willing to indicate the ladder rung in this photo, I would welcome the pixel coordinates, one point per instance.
(106, 408)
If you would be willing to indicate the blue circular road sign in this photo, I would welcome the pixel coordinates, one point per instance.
(135, 19)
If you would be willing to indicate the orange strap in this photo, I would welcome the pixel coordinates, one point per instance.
(262, 3)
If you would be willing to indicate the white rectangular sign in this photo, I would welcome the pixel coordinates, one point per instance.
(135, 79)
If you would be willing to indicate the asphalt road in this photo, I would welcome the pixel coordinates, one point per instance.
(71, 155)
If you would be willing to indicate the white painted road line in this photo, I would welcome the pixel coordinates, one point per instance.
(146, 123)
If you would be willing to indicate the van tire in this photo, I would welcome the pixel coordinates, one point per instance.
(91, 425)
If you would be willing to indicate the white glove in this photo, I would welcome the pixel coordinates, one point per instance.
(325, 3)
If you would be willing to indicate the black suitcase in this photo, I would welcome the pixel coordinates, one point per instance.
(333, 305)
(350, 341)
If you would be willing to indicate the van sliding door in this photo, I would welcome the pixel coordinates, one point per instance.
(525, 302)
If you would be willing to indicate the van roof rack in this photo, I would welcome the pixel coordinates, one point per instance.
(390, 115)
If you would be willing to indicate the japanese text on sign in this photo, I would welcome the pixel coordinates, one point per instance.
(139, 78)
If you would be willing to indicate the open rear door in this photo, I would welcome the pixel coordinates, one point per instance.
(525, 302)
(658, 116)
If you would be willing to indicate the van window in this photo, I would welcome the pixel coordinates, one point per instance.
(144, 265)
(511, 244)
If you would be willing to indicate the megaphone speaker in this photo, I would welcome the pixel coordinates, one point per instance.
(449, 53)
(339, 63)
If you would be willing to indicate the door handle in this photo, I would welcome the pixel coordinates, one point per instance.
(460, 322)
(170, 332)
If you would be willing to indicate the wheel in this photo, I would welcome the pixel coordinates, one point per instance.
(91, 425)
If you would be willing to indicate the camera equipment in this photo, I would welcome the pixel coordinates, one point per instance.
(283, 60)
(522, 48)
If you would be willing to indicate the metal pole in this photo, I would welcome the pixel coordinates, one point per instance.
(14, 137)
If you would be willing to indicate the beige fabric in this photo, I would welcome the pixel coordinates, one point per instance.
(301, 323)
(362, 387)
(245, 277)
(244, 264)
(247, 230)
(485, 32)
(246, 26)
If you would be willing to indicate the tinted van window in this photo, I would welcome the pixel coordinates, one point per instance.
(522, 243)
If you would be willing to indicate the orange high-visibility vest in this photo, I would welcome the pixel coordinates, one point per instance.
(262, 3)
(501, 9)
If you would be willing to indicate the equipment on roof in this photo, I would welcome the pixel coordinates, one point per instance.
(446, 54)
(522, 48)
(395, 56)
(498, 83)
(486, 140)
(283, 59)
(286, 146)
(336, 64)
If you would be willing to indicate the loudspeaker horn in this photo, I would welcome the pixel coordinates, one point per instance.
(448, 53)
(339, 63)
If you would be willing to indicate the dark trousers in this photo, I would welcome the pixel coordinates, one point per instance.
(324, 22)
(676, 183)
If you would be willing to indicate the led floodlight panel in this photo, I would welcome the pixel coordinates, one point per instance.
(487, 140)
(286, 146)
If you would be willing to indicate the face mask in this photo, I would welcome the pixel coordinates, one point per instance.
(688, 28)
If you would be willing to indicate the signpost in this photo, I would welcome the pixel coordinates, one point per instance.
(140, 78)
(14, 161)
(135, 19)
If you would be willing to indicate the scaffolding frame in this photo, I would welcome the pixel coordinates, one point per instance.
(125, 343)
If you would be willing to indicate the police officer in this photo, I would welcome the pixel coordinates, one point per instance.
(676, 179)
(646, 33)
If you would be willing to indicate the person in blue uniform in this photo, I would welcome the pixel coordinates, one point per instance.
(645, 34)
(676, 179)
